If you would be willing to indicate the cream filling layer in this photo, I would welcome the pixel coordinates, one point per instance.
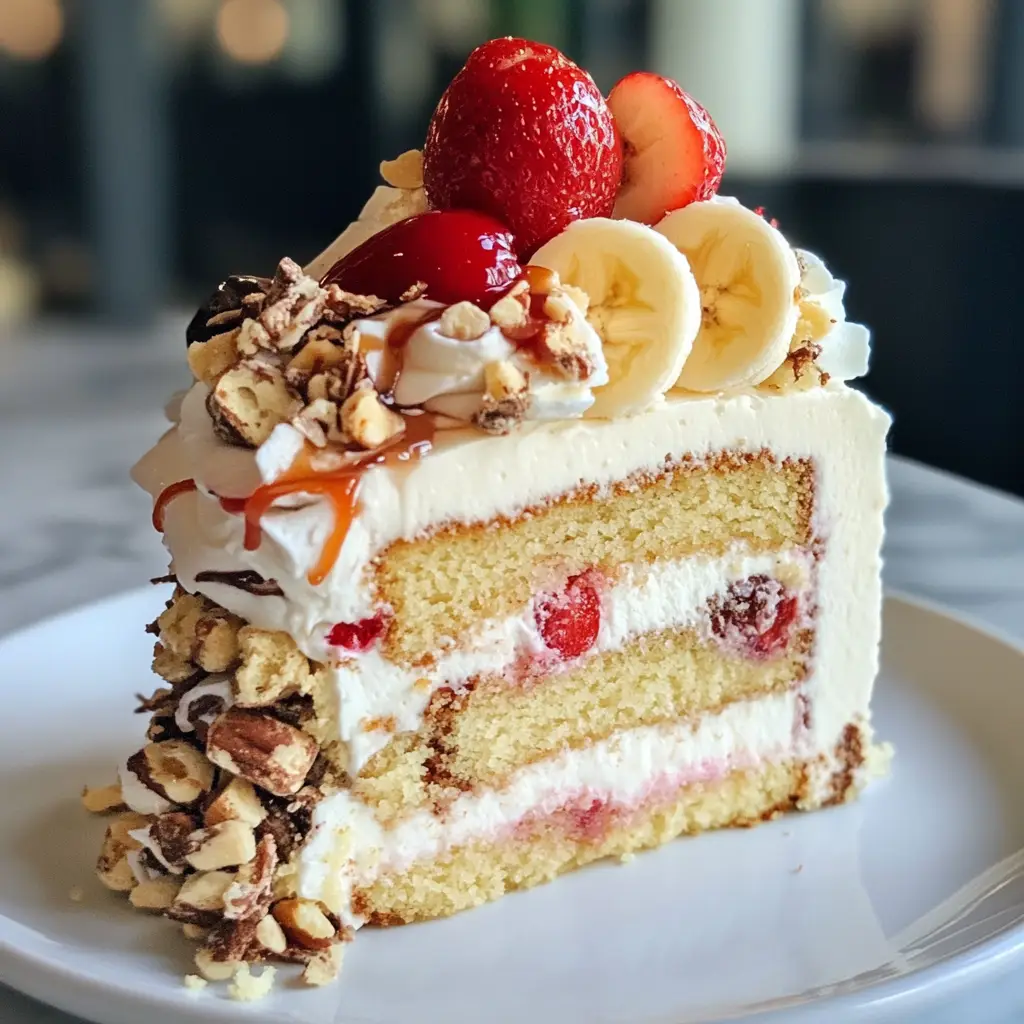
(348, 848)
(668, 595)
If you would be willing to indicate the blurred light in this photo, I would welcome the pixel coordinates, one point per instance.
(316, 40)
(186, 20)
(252, 31)
(455, 25)
(30, 29)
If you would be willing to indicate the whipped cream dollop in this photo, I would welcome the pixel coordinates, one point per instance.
(447, 375)
(846, 348)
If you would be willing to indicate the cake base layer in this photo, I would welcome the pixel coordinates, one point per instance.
(482, 871)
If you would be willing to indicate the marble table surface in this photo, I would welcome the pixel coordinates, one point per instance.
(77, 407)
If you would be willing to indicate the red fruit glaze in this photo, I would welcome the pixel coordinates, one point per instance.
(569, 621)
(459, 255)
(357, 636)
(524, 134)
(673, 152)
(756, 616)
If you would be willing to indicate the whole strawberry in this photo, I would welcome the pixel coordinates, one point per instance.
(525, 135)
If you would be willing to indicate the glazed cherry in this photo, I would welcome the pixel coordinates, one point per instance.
(357, 636)
(458, 254)
(569, 621)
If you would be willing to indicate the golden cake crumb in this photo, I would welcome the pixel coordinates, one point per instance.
(194, 983)
(247, 987)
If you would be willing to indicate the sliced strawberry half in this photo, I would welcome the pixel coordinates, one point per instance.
(673, 153)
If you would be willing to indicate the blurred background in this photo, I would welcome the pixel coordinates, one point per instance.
(150, 147)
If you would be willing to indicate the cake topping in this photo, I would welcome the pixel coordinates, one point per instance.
(674, 154)
(525, 135)
(748, 279)
(459, 255)
(223, 310)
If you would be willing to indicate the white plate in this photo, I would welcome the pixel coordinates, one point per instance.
(875, 908)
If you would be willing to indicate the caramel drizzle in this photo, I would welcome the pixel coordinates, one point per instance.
(340, 487)
(166, 496)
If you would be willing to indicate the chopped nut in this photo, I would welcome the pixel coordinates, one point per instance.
(464, 321)
(209, 359)
(215, 970)
(169, 834)
(323, 968)
(558, 307)
(194, 983)
(267, 752)
(247, 987)
(368, 421)
(199, 633)
(156, 894)
(271, 667)
(405, 171)
(320, 422)
(304, 923)
(221, 846)
(562, 346)
(174, 770)
(248, 897)
(270, 935)
(113, 867)
(506, 398)
(511, 310)
(236, 802)
(342, 306)
(248, 401)
(102, 799)
(76, 894)
(193, 931)
(170, 666)
(293, 305)
(200, 900)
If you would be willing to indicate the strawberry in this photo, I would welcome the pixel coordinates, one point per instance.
(458, 254)
(569, 621)
(673, 154)
(525, 135)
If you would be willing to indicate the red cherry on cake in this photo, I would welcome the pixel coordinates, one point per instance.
(525, 135)
(755, 617)
(357, 636)
(460, 255)
(569, 621)
(673, 153)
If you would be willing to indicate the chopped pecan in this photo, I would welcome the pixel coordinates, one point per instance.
(113, 867)
(200, 900)
(304, 923)
(256, 746)
(226, 845)
(236, 802)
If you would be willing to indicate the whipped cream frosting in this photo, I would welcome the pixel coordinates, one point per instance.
(446, 375)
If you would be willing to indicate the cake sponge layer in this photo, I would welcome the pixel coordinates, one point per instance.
(486, 870)
(440, 586)
(480, 735)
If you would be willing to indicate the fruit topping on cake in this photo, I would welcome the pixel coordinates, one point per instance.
(525, 135)
(673, 153)
(458, 255)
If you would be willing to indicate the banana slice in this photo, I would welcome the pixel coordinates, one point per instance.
(748, 278)
(644, 305)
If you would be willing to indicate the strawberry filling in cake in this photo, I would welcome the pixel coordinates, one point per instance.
(533, 522)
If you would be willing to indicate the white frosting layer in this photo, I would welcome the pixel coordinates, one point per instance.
(446, 375)
(348, 847)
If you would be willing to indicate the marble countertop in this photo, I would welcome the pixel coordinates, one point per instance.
(74, 529)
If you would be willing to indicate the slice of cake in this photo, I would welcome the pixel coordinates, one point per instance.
(507, 536)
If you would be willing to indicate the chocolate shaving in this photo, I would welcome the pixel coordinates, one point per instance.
(169, 578)
(138, 765)
(229, 296)
(244, 579)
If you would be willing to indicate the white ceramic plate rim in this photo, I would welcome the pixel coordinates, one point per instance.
(80, 994)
